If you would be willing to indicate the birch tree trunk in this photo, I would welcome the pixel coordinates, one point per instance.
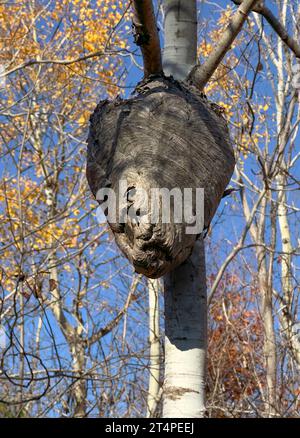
(186, 338)
(285, 133)
(154, 367)
(180, 48)
(185, 287)
(265, 286)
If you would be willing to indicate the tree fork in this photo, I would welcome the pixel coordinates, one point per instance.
(201, 74)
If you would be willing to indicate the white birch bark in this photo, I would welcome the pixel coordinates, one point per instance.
(186, 338)
(154, 367)
(284, 133)
(180, 48)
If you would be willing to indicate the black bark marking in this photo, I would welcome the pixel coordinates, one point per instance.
(176, 392)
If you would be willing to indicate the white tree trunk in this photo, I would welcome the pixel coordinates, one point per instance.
(154, 367)
(180, 48)
(185, 338)
(185, 287)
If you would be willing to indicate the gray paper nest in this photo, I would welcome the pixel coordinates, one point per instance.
(167, 136)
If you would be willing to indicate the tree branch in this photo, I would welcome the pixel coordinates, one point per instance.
(201, 74)
(31, 62)
(237, 248)
(114, 322)
(146, 36)
(261, 9)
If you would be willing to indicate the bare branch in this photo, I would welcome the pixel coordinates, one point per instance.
(201, 74)
(31, 62)
(114, 322)
(236, 249)
(146, 36)
(260, 8)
